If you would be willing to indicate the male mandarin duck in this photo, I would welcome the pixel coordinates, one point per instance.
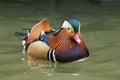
(65, 45)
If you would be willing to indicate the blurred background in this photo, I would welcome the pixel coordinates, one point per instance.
(100, 28)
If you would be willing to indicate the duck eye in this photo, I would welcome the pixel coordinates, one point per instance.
(68, 28)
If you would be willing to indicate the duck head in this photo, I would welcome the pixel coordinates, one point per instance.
(71, 27)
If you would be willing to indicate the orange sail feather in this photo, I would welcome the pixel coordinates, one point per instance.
(42, 26)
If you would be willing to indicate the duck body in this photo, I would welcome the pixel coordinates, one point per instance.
(66, 48)
(73, 54)
(38, 50)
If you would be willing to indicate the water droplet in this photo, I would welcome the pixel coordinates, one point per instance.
(49, 74)
(75, 74)
(23, 59)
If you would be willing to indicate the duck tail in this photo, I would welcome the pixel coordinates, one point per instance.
(20, 35)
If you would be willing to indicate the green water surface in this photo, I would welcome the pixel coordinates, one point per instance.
(100, 28)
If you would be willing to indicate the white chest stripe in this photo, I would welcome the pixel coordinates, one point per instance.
(51, 55)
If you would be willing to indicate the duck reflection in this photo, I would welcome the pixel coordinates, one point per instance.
(45, 66)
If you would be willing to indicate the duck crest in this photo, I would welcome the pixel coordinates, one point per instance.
(74, 23)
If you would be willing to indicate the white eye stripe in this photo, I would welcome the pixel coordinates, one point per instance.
(67, 25)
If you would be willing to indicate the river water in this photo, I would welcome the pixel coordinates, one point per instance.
(100, 28)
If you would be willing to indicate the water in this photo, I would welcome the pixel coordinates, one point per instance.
(100, 30)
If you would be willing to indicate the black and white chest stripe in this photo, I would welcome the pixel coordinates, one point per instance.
(51, 56)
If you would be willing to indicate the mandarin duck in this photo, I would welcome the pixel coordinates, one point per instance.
(65, 44)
